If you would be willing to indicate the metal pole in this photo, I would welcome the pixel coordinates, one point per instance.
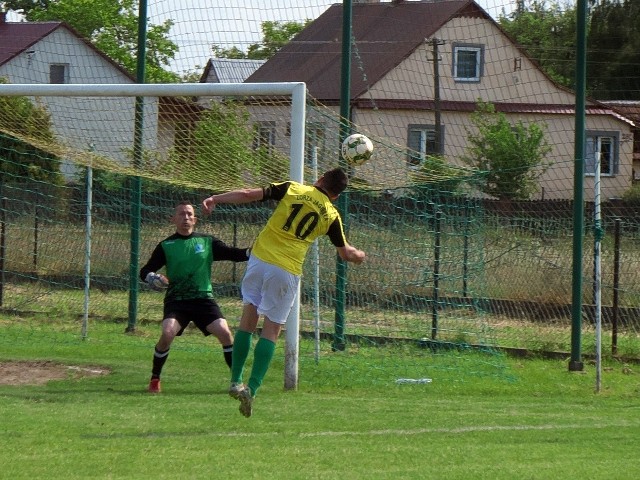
(343, 200)
(87, 252)
(575, 362)
(315, 253)
(465, 253)
(3, 238)
(436, 276)
(597, 235)
(436, 93)
(616, 287)
(136, 187)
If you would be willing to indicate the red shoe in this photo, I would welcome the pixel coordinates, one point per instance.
(154, 386)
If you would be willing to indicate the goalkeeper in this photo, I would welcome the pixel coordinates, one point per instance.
(270, 284)
(187, 257)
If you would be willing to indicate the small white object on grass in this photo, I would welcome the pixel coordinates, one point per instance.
(413, 380)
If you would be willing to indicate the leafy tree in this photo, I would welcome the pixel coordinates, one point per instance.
(614, 50)
(274, 36)
(512, 156)
(436, 176)
(19, 159)
(548, 35)
(112, 26)
(224, 135)
(233, 52)
(547, 32)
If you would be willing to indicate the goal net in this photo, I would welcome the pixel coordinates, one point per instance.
(72, 157)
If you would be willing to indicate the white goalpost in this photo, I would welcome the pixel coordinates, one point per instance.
(297, 93)
(598, 272)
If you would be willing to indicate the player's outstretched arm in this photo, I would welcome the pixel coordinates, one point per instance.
(244, 195)
(351, 254)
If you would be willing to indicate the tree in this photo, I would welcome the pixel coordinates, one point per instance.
(435, 176)
(112, 26)
(274, 36)
(224, 136)
(20, 122)
(614, 50)
(548, 35)
(512, 157)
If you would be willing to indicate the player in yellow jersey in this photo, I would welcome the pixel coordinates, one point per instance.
(273, 273)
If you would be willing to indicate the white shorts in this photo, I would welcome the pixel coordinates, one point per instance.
(271, 289)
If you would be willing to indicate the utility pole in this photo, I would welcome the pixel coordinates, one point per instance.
(435, 43)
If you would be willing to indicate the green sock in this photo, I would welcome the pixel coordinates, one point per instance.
(262, 356)
(241, 347)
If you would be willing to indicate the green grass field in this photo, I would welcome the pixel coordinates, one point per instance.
(496, 418)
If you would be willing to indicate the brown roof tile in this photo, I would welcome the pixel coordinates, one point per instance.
(386, 33)
(19, 36)
(628, 108)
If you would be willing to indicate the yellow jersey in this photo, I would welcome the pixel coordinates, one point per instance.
(303, 214)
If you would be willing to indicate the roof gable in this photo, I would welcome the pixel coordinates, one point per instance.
(386, 34)
(18, 37)
(229, 70)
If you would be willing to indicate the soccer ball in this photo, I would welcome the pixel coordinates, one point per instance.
(357, 149)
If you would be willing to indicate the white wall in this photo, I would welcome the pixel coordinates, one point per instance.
(103, 124)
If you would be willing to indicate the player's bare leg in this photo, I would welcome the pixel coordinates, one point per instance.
(220, 329)
(170, 328)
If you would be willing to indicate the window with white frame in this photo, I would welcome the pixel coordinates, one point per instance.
(265, 136)
(421, 142)
(58, 73)
(467, 62)
(606, 144)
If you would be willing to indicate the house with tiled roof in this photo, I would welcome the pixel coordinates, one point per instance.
(418, 69)
(229, 70)
(53, 52)
(630, 109)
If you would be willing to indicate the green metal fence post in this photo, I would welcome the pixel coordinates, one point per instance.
(575, 362)
(136, 187)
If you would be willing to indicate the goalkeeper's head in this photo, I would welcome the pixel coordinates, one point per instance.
(333, 182)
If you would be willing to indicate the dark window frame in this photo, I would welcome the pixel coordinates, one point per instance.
(421, 139)
(457, 65)
(265, 135)
(58, 73)
(609, 144)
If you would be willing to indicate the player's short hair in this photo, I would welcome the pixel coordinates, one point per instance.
(335, 181)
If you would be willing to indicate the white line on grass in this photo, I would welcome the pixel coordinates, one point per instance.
(476, 428)
(415, 431)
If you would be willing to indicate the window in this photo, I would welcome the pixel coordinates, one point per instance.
(265, 136)
(58, 73)
(421, 140)
(467, 62)
(605, 143)
(314, 142)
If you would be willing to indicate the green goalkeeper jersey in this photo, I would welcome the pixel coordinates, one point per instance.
(187, 261)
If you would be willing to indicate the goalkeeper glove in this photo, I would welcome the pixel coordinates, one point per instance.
(156, 281)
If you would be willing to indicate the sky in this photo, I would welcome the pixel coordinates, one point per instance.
(198, 24)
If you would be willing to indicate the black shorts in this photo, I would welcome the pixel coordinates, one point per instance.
(202, 312)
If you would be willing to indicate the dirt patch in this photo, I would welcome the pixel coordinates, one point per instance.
(40, 372)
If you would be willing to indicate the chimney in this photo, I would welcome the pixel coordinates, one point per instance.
(3, 17)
